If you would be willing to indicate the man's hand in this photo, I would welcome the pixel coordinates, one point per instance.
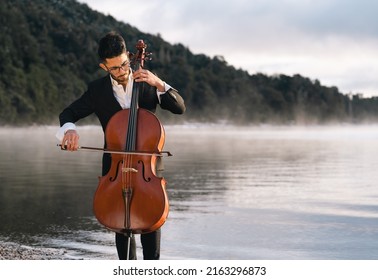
(143, 75)
(70, 140)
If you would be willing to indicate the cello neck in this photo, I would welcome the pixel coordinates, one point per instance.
(137, 62)
(133, 120)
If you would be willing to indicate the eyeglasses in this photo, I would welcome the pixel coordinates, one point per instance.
(115, 69)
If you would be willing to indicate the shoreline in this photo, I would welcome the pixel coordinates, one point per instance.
(13, 251)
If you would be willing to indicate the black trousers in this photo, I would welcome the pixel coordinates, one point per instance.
(150, 244)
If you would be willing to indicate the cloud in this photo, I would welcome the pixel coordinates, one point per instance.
(334, 41)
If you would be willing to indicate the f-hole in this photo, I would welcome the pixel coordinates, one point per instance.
(113, 178)
(143, 171)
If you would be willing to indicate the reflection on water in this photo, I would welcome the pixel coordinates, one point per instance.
(235, 193)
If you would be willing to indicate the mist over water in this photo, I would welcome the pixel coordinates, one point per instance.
(235, 192)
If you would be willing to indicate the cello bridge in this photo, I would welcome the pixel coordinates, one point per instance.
(129, 169)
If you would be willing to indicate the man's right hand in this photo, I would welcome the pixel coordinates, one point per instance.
(70, 140)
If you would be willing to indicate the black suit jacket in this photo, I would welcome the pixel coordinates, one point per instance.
(99, 99)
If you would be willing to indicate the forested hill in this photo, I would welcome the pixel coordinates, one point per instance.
(48, 55)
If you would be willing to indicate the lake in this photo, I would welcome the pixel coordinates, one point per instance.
(246, 192)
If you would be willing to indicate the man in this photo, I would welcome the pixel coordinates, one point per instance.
(105, 97)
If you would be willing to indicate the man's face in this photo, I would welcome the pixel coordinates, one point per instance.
(118, 67)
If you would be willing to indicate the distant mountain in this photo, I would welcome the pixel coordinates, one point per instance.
(48, 54)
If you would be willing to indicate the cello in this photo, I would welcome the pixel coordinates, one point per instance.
(131, 198)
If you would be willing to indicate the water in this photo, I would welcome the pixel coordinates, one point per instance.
(235, 193)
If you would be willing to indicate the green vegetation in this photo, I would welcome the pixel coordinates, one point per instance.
(48, 53)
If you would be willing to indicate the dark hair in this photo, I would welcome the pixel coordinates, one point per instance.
(111, 45)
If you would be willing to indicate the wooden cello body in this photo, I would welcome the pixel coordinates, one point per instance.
(130, 198)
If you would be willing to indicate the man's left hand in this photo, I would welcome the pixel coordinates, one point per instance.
(143, 75)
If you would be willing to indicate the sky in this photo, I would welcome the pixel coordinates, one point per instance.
(333, 41)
